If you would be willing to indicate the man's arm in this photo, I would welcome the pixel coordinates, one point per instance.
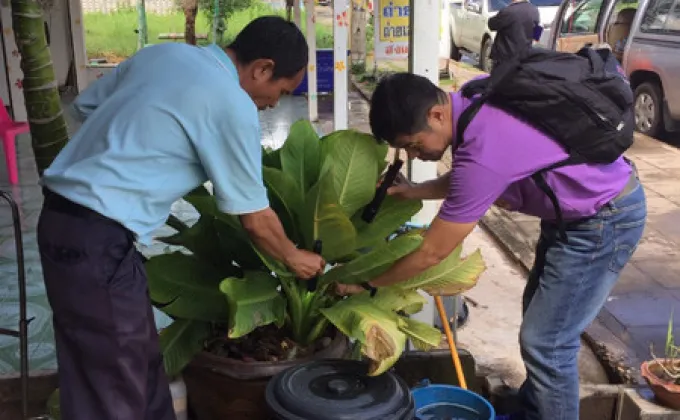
(502, 19)
(265, 230)
(434, 189)
(440, 240)
(472, 189)
(228, 146)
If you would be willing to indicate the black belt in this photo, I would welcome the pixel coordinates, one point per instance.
(61, 204)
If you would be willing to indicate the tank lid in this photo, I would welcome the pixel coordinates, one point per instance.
(338, 390)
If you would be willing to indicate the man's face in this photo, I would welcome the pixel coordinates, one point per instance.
(431, 143)
(263, 89)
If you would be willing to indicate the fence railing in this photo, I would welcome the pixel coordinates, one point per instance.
(161, 7)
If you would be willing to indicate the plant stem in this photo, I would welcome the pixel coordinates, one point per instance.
(317, 330)
(295, 309)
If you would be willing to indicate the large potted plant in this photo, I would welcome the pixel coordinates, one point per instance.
(241, 317)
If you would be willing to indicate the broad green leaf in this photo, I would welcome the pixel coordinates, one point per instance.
(185, 287)
(270, 262)
(423, 336)
(396, 299)
(286, 199)
(351, 158)
(300, 154)
(205, 204)
(375, 328)
(450, 277)
(180, 342)
(375, 262)
(254, 301)
(324, 219)
(393, 213)
(271, 158)
(201, 239)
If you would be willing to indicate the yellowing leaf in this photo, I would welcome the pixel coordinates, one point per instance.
(450, 277)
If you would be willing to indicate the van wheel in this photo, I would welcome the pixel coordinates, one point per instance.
(455, 52)
(485, 62)
(648, 111)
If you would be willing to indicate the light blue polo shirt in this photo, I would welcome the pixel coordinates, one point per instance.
(165, 121)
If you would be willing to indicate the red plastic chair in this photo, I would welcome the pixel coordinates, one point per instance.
(9, 130)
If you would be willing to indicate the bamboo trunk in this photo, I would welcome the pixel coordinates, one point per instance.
(49, 132)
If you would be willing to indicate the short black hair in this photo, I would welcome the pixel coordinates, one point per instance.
(400, 105)
(274, 38)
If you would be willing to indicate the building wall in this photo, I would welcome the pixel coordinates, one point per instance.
(61, 49)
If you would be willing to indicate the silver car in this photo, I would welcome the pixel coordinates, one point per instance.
(645, 37)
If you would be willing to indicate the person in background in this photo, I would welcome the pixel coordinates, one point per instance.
(603, 205)
(167, 120)
(515, 27)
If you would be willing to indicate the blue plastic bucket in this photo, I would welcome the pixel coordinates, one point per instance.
(447, 402)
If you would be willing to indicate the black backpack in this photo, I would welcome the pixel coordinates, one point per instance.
(583, 101)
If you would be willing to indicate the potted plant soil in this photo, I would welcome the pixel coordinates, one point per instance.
(663, 374)
(241, 317)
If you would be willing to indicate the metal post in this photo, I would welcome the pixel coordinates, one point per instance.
(22, 332)
(297, 16)
(142, 37)
(312, 99)
(340, 81)
(424, 60)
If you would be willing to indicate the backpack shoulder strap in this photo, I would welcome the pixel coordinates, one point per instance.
(465, 119)
(539, 179)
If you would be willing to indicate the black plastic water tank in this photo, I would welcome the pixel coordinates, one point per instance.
(338, 390)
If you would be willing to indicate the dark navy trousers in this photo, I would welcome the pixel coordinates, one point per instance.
(110, 365)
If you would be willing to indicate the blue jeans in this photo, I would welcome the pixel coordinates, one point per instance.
(567, 287)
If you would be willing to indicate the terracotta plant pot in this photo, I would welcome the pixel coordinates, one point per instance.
(667, 393)
(221, 388)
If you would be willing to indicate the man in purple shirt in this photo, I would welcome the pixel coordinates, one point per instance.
(603, 206)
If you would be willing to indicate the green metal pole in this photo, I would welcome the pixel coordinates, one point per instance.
(216, 22)
(142, 33)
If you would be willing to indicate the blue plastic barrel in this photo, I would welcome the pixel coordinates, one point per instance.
(448, 402)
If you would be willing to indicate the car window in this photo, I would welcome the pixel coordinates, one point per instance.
(581, 17)
(661, 16)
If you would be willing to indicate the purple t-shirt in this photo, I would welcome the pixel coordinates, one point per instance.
(498, 157)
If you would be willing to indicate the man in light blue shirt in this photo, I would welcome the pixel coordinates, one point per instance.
(167, 120)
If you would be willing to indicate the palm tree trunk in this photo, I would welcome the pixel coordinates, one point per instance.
(190, 11)
(43, 105)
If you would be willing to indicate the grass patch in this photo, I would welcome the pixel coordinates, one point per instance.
(112, 35)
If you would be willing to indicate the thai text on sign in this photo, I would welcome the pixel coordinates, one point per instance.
(392, 24)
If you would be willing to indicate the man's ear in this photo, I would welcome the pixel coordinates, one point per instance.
(437, 114)
(262, 69)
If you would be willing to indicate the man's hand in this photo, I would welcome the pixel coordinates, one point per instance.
(348, 289)
(402, 192)
(265, 230)
(305, 264)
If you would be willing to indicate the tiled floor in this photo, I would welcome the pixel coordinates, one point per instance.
(275, 125)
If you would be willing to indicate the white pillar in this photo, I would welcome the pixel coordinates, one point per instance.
(75, 9)
(424, 60)
(340, 78)
(312, 100)
(296, 13)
